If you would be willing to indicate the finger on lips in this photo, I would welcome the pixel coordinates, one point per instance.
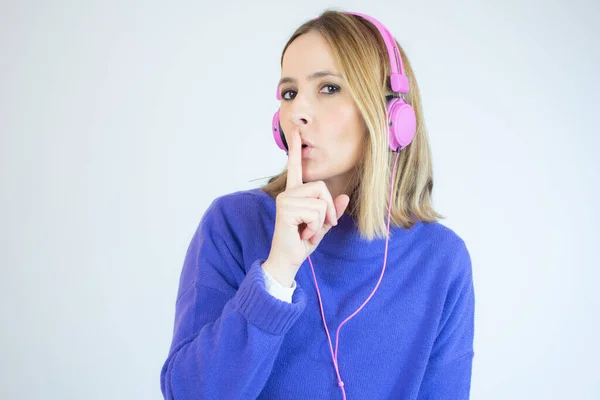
(295, 179)
(294, 174)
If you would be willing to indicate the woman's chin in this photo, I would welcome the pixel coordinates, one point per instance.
(310, 175)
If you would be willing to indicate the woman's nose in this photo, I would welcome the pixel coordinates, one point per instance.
(300, 121)
(302, 112)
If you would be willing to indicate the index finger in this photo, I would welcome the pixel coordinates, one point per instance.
(294, 165)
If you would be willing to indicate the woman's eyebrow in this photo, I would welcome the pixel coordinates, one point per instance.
(312, 76)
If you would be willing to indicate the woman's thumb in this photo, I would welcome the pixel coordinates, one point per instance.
(341, 203)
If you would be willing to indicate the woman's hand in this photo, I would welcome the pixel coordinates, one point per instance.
(305, 212)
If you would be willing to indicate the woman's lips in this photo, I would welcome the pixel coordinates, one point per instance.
(307, 151)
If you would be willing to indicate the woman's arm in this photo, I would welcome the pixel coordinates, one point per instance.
(226, 336)
(448, 372)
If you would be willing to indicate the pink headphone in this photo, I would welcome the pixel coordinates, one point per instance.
(402, 122)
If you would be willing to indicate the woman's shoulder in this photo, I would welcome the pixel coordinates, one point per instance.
(240, 206)
(441, 234)
(243, 199)
(256, 194)
(445, 244)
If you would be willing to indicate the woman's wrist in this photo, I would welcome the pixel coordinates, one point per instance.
(282, 274)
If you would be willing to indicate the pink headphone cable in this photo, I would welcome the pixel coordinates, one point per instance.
(334, 356)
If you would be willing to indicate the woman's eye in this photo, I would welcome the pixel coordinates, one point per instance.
(283, 94)
(330, 90)
(335, 88)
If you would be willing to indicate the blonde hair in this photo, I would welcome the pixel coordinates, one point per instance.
(360, 52)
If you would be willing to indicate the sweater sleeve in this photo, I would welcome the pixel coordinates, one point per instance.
(448, 372)
(228, 329)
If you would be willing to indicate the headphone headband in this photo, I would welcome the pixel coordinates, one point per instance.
(398, 80)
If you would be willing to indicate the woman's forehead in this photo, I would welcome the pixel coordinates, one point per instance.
(306, 55)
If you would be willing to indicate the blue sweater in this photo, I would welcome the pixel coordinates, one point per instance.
(234, 340)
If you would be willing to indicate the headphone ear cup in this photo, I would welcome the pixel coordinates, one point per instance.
(278, 133)
(402, 123)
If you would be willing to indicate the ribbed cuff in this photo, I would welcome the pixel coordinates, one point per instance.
(262, 309)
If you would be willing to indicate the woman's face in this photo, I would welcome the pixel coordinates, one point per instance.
(316, 99)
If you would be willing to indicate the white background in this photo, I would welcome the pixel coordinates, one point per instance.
(121, 121)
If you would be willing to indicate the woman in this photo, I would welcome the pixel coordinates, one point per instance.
(338, 239)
